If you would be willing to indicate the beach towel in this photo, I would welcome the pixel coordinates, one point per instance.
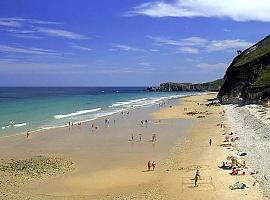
(238, 185)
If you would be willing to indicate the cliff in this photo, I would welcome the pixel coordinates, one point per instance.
(169, 86)
(247, 79)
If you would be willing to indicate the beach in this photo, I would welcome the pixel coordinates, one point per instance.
(106, 163)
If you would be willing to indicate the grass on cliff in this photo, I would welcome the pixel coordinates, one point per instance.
(263, 47)
(263, 79)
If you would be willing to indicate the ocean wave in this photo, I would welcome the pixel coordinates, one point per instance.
(19, 125)
(125, 103)
(14, 125)
(81, 112)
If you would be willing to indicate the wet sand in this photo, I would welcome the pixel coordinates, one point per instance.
(107, 165)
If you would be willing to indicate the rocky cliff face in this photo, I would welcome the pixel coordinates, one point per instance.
(247, 79)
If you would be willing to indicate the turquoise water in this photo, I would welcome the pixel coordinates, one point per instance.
(30, 109)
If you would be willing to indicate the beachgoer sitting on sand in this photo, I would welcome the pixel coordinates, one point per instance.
(238, 171)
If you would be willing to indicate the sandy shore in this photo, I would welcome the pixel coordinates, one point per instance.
(107, 165)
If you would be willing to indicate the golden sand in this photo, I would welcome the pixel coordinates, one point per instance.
(116, 168)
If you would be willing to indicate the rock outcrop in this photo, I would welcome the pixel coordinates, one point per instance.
(170, 86)
(247, 79)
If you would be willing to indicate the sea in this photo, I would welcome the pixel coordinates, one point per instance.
(25, 109)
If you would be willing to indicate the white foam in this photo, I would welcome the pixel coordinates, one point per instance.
(19, 125)
(81, 112)
(124, 103)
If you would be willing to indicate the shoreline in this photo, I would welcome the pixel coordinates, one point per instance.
(39, 130)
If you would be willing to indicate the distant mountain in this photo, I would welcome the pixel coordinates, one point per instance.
(170, 86)
(247, 79)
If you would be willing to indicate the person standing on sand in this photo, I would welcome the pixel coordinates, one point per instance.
(153, 165)
(196, 180)
(149, 165)
(132, 137)
(27, 134)
(210, 142)
(140, 137)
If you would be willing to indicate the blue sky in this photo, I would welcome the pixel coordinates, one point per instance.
(124, 43)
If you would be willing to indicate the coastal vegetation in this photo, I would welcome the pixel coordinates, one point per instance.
(248, 77)
(171, 86)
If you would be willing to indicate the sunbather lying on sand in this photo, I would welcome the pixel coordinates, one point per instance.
(238, 171)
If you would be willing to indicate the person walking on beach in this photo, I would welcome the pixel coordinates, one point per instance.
(153, 165)
(196, 180)
(149, 165)
(140, 137)
(27, 134)
(132, 137)
(154, 138)
(210, 142)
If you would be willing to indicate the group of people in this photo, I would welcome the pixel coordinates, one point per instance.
(151, 165)
(127, 113)
(140, 137)
(144, 122)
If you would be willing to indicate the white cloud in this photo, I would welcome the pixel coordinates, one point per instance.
(124, 47)
(61, 33)
(227, 30)
(143, 63)
(190, 50)
(220, 45)
(75, 46)
(190, 41)
(212, 66)
(27, 36)
(238, 10)
(11, 65)
(23, 50)
(196, 44)
(9, 23)
(154, 50)
(26, 28)
(27, 20)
